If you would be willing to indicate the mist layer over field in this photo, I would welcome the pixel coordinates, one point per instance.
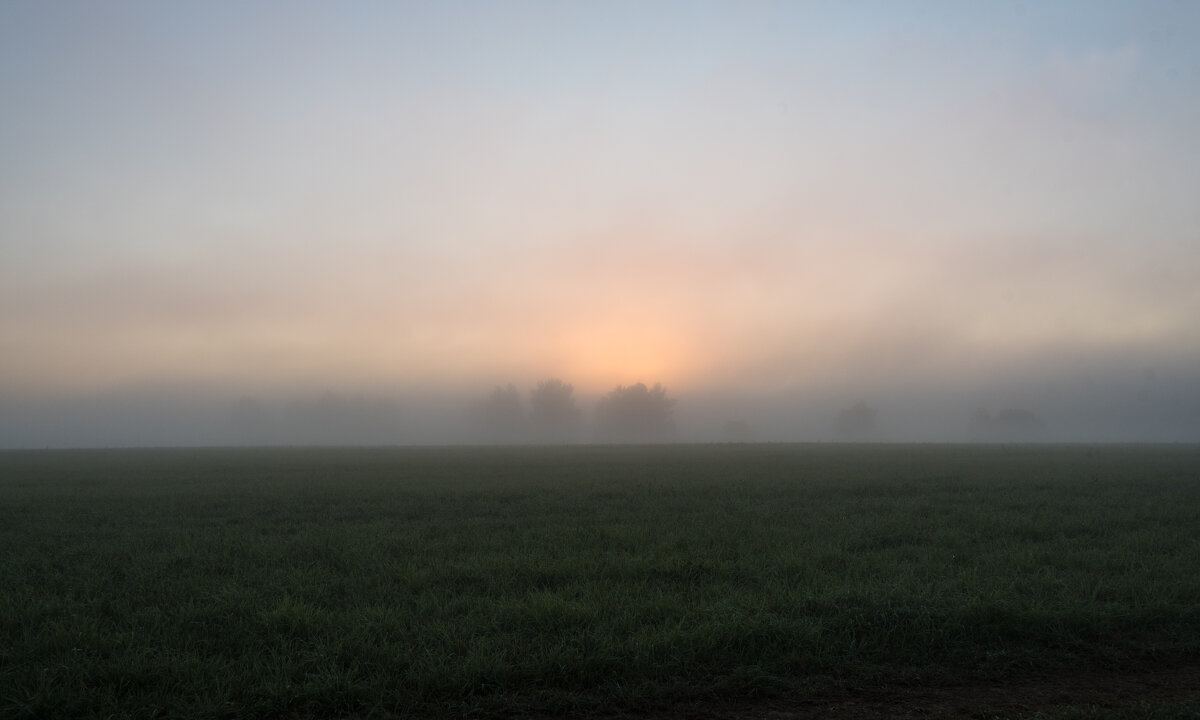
(1069, 410)
(297, 222)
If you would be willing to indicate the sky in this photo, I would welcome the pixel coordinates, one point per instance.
(775, 209)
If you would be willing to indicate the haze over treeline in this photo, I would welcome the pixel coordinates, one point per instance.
(269, 222)
(1091, 407)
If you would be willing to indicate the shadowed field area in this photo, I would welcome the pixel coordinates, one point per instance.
(722, 581)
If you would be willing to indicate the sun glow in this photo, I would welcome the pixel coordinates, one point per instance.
(597, 359)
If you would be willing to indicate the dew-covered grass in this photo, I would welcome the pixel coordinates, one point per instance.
(511, 581)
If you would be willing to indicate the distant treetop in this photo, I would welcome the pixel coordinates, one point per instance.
(636, 414)
(553, 416)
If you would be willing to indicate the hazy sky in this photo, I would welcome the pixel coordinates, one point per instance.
(736, 199)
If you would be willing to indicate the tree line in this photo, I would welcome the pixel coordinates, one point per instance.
(628, 413)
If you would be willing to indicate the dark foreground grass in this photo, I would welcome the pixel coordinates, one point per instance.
(418, 582)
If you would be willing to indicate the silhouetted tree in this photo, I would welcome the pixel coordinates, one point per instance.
(552, 412)
(856, 423)
(502, 416)
(636, 414)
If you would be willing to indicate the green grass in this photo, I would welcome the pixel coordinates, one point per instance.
(1143, 710)
(418, 582)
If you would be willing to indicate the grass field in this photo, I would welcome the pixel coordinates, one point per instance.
(582, 580)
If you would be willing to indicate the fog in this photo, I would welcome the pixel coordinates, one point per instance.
(307, 223)
(1108, 402)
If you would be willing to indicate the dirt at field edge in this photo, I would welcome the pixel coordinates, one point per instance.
(1011, 699)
